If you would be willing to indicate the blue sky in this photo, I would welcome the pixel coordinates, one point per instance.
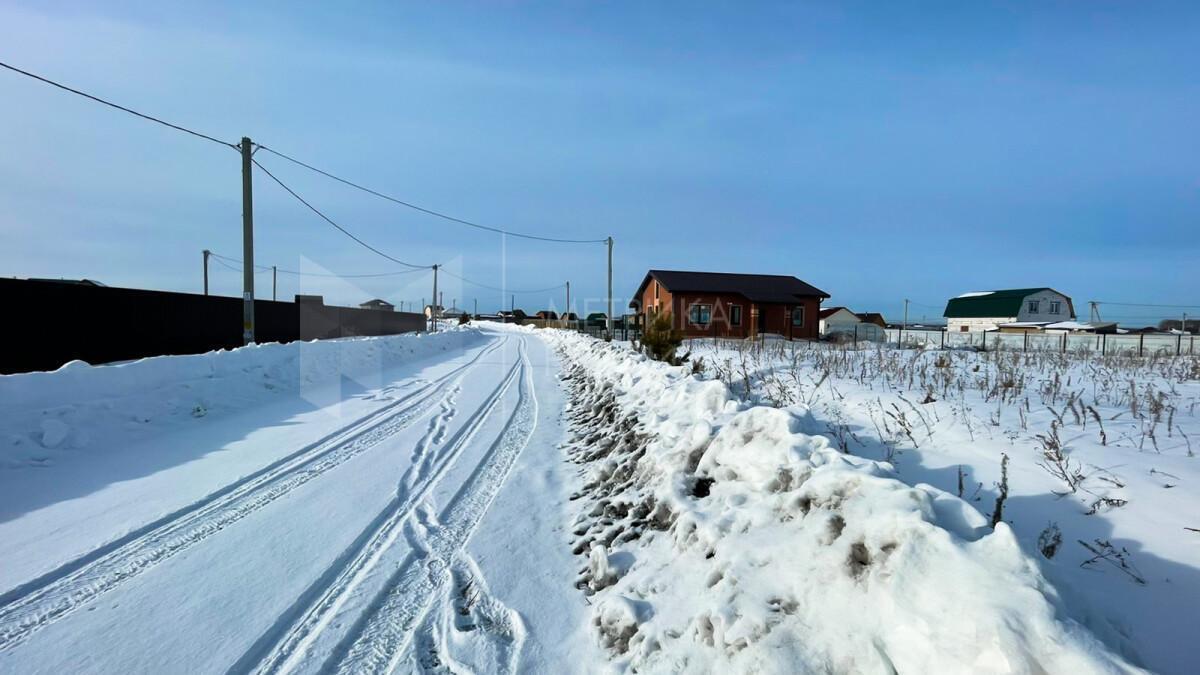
(875, 151)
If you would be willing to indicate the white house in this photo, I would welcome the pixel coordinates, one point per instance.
(844, 323)
(836, 320)
(987, 310)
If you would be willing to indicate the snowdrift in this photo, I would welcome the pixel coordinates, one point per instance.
(77, 405)
(718, 537)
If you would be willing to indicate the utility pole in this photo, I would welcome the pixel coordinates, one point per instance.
(433, 309)
(568, 298)
(1094, 311)
(247, 245)
(274, 282)
(476, 312)
(904, 325)
(206, 254)
(512, 303)
(610, 310)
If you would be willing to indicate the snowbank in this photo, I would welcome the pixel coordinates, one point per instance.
(736, 542)
(70, 407)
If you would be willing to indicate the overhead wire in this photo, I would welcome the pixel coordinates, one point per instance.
(319, 274)
(331, 222)
(425, 210)
(501, 289)
(327, 219)
(117, 106)
(1143, 304)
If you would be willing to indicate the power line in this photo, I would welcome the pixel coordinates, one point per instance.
(503, 290)
(431, 212)
(1142, 304)
(226, 265)
(330, 221)
(118, 107)
(268, 268)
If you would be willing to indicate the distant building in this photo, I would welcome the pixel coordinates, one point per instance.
(873, 318)
(77, 282)
(513, 316)
(547, 314)
(841, 324)
(836, 320)
(380, 305)
(718, 304)
(987, 310)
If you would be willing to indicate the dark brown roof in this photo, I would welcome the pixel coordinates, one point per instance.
(871, 317)
(754, 287)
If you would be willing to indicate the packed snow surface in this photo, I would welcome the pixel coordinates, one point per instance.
(358, 505)
(720, 536)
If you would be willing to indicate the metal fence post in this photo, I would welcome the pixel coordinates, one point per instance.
(1064, 343)
(1141, 343)
(1179, 342)
(984, 347)
(1103, 343)
(1026, 339)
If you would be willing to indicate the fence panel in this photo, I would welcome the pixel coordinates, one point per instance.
(1110, 343)
(51, 323)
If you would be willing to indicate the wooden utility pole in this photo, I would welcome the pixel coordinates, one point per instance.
(206, 254)
(568, 298)
(433, 308)
(610, 308)
(247, 245)
(274, 282)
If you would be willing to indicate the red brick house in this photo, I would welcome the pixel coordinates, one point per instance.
(717, 304)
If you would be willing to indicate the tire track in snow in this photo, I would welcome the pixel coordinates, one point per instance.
(56, 594)
(286, 644)
(467, 629)
(381, 636)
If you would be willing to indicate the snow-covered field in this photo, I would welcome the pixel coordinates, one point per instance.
(358, 505)
(1103, 486)
(797, 508)
(504, 499)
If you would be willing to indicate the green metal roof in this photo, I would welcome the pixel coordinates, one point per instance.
(1005, 302)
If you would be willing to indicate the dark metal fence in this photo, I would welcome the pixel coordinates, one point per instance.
(50, 323)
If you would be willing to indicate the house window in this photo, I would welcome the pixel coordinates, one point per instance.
(655, 290)
(963, 329)
(1033, 306)
(1055, 307)
(797, 316)
(700, 315)
(735, 315)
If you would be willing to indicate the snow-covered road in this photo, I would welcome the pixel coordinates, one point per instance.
(390, 528)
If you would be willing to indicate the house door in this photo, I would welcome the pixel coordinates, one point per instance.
(762, 320)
